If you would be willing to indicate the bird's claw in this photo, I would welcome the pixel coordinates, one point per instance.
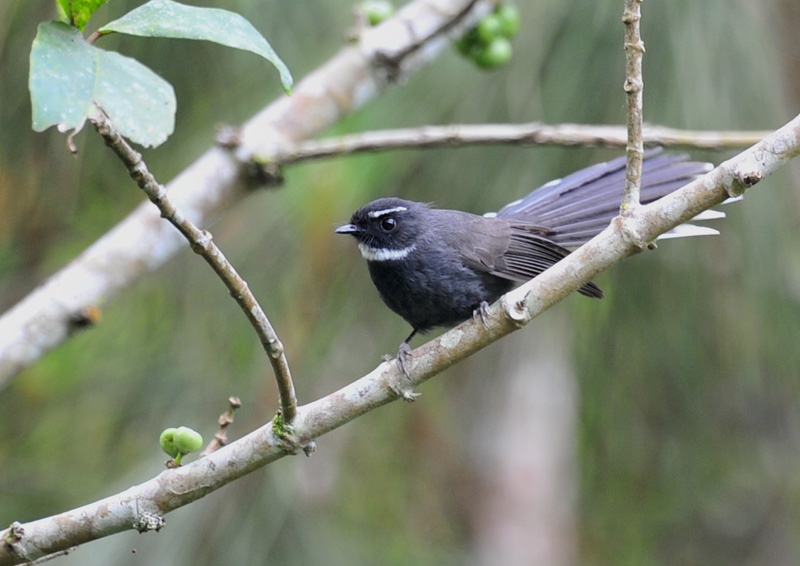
(482, 311)
(403, 353)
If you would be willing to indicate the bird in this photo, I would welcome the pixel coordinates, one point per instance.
(437, 267)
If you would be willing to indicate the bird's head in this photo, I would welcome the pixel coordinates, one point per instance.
(387, 229)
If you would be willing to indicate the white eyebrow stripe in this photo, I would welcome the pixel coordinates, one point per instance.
(385, 211)
(383, 254)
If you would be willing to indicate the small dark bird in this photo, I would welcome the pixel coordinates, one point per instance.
(440, 267)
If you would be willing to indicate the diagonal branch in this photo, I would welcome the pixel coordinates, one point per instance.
(143, 506)
(203, 245)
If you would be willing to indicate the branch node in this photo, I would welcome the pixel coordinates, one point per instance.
(159, 192)
(85, 317)
(12, 537)
(228, 137)
(265, 172)
(516, 311)
(285, 433)
(748, 178)
(148, 521)
(14, 533)
(632, 85)
(404, 393)
(203, 241)
(275, 349)
(310, 448)
(626, 227)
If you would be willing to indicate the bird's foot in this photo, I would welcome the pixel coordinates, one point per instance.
(482, 311)
(403, 354)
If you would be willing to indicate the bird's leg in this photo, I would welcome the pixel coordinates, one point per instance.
(482, 311)
(402, 357)
(404, 352)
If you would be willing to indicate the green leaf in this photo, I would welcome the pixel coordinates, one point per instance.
(78, 12)
(164, 18)
(71, 81)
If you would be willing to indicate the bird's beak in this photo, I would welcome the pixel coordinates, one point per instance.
(348, 229)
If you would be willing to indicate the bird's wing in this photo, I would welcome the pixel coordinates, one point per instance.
(529, 253)
(511, 250)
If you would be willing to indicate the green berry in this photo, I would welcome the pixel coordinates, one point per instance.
(489, 28)
(469, 43)
(187, 440)
(496, 54)
(167, 441)
(377, 10)
(508, 17)
(463, 46)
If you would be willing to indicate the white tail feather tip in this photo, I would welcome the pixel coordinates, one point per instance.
(688, 231)
(709, 215)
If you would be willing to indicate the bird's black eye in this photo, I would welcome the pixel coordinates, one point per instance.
(388, 224)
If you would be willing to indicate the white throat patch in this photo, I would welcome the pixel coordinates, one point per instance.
(383, 254)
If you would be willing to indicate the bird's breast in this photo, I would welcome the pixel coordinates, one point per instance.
(433, 287)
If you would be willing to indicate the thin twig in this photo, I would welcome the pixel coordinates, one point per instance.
(202, 244)
(225, 419)
(533, 133)
(634, 84)
(53, 556)
(391, 61)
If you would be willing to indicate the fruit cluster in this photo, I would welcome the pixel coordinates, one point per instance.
(489, 43)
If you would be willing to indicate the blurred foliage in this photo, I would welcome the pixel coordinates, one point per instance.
(689, 371)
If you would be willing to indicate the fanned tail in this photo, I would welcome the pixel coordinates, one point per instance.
(579, 206)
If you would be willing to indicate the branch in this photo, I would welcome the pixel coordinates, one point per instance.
(533, 133)
(634, 84)
(225, 420)
(202, 244)
(141, 243)
(143, 506)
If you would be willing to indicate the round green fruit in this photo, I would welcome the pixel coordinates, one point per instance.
(167, 442)
(187, 440)
(377, 11)
(508, 18)
(496, 54)
(489, 28)
(469, 44)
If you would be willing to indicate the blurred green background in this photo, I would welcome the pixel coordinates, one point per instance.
(658, 426)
